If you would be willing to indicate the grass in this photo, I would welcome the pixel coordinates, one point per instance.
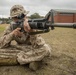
(62, 39)
(63, 56)
(2, 28)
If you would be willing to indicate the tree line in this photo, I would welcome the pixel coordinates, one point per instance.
(33, 16)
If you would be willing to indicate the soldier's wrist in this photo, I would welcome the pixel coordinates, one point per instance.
(12, 34)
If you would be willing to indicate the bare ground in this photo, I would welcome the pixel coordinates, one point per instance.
(62, 60)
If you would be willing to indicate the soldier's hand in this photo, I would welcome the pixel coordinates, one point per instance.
(27, 28)
(17, 32)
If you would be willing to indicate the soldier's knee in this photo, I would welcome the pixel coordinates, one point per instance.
(47, 49)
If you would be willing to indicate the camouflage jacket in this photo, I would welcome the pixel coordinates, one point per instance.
(37, 48)
(7, 37)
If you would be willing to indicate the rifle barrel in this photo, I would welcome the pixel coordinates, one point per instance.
(65, 25)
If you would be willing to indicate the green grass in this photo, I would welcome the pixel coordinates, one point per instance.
(2, 28)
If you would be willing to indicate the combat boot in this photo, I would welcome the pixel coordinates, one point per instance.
(34, 65)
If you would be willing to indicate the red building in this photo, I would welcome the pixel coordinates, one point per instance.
(64, 16)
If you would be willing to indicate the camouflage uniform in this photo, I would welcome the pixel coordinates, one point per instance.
(38, 49)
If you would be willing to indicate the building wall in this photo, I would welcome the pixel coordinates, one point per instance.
(74, 17)
(64, 18)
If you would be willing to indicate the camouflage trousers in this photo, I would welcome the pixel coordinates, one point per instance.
(36, 51)
(25, 53)
(30, 54)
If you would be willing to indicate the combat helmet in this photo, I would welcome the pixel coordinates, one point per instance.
(17, 10)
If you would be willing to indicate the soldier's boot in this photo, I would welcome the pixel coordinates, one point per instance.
(35, 65)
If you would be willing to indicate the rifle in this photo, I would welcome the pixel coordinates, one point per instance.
(43, 24)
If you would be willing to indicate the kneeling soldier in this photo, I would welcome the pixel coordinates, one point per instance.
(38, 49)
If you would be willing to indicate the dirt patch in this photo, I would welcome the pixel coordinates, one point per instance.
(54, 65)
